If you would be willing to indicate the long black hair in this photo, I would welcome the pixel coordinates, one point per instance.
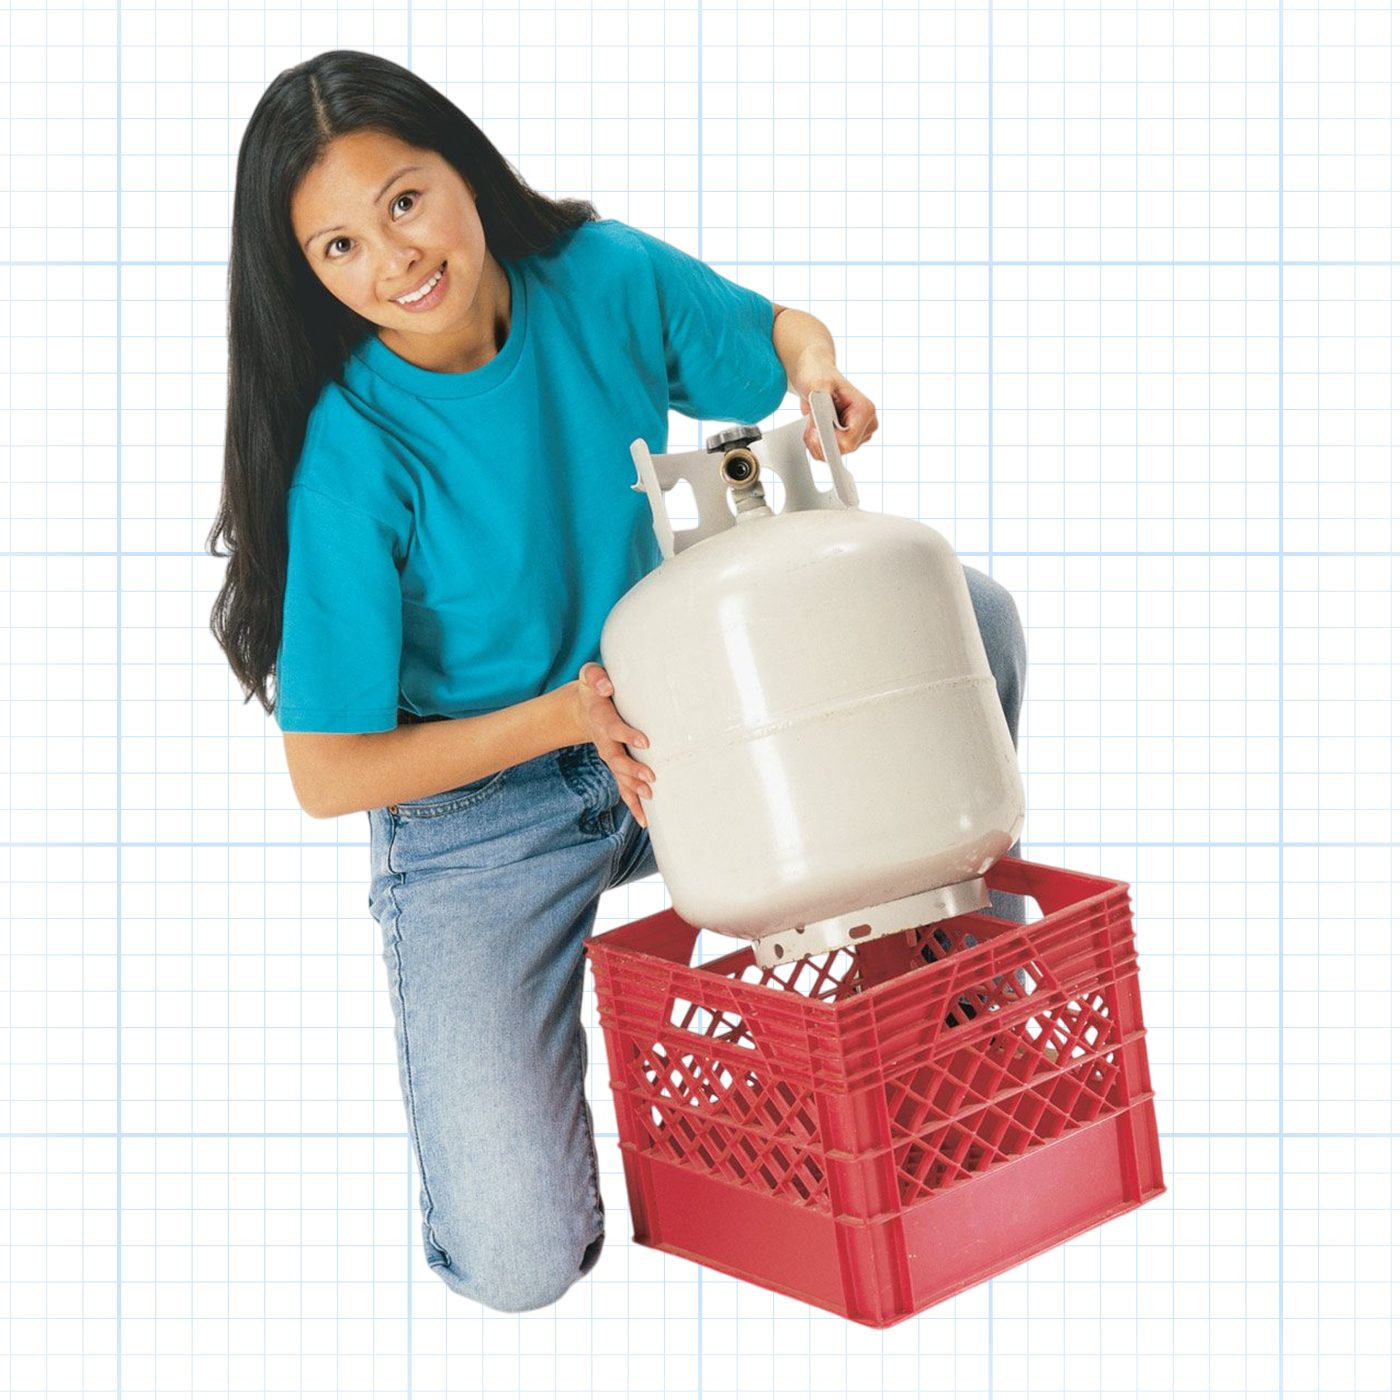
(287, 335)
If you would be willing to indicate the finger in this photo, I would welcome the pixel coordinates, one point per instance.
(599, 679)
(626, 770)
(604, 717)
(608, 725)
(635, 807)
(611, 752)
(635, 776)
(630, 772)
(625, 734)
(861, 431)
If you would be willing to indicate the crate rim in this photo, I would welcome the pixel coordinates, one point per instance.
(612, 945)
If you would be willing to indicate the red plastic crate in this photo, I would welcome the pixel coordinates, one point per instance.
(820, 1129)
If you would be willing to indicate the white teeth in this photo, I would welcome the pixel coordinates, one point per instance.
(423, 290)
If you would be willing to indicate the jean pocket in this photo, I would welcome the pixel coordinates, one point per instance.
(442, 804)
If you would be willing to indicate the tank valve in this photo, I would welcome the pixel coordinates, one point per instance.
(738, 465)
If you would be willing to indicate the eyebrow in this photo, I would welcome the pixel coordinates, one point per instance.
(397, 175)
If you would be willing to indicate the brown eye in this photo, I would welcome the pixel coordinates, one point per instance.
(407, 194)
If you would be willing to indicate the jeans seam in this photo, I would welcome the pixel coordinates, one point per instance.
(625, 823)
(619, 847)
(586, 1119)
(395, 940)
(440, 805)
(591, 788)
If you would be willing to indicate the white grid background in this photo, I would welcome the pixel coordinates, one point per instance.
(1120, 281)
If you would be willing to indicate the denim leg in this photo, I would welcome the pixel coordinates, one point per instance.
(484, 896)
(1005, 641)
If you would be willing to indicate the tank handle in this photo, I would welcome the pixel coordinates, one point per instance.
(782, 451)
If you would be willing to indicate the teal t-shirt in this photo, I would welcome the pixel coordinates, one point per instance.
(457, 540)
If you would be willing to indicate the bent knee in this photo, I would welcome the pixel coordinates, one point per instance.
(508, 1295)
(1004, 639)
(995, 607)
(520, 1284)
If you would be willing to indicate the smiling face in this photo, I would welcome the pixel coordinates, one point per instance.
(377, 219)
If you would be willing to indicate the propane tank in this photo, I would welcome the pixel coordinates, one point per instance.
(832, 760)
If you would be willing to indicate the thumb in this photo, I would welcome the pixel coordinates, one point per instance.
(598, 682)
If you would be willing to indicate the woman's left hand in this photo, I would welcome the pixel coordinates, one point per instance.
(855, 414)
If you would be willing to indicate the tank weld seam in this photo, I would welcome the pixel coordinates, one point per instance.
(826, 709)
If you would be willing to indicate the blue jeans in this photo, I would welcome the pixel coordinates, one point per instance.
(484, 895)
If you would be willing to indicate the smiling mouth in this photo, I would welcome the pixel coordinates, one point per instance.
(419, 295)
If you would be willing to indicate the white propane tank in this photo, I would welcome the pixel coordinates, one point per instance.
(832, 761)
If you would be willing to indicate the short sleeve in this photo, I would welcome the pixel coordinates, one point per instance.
(720, 360)
(342, 620)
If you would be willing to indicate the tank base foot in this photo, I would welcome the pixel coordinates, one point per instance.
(874, 921)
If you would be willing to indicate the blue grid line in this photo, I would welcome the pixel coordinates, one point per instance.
(700, 253)
(1281, 691)
(1004, 553)
(810, 262)
(393, 1135)
(1078, 843)
(408, 1204)
(121, 1358)
(991, 512)
(1280, 845)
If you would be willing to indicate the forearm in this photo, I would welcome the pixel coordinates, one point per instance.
(804, 346)
(808, 354)
(418, 760)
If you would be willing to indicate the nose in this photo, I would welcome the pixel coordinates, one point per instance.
(400, 267)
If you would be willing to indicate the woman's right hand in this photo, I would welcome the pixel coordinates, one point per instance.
(600, 723)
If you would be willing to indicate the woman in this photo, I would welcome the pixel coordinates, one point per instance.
(434, 376)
